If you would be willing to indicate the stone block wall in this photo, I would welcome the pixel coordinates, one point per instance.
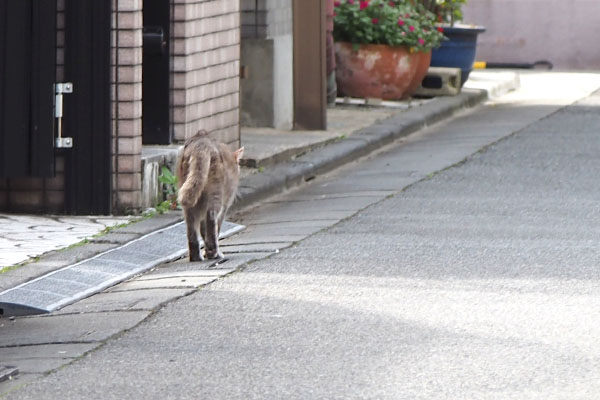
(206, 66)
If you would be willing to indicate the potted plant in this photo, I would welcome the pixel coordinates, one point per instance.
(459, 50)
(380, 46)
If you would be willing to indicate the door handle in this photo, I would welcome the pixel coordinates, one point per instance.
(154, 40)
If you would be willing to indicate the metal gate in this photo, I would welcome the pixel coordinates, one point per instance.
(27, 74)
(28, 57)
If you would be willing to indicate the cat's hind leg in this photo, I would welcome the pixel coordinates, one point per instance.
(211, 239)
(193, 227)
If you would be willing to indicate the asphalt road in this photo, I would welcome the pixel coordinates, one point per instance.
(415, 274)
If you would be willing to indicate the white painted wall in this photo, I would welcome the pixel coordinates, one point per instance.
(565, 32)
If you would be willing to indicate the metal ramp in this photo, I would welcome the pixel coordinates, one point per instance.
(77, 281)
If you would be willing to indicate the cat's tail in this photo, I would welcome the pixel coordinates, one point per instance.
(194, 174)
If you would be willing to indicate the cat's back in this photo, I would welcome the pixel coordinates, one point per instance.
(200, 144)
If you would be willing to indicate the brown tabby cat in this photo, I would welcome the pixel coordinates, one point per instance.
(208, 175)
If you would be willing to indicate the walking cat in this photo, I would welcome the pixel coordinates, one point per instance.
(208, 175)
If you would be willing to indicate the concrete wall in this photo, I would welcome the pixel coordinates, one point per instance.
(267, 52)
(564, 32)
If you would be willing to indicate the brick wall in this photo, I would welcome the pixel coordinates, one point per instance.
(206, 64)
(126, 108)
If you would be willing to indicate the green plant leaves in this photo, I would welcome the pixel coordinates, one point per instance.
(169, 181)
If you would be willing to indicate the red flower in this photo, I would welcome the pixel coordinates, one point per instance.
(400, 22)
(350, 1)
(421, 41)
(336, 3)
(364, 4)
(440, 29)
(375, 20)
(411, 28)
(392, 4)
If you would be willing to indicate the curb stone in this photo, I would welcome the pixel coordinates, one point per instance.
(290, 174)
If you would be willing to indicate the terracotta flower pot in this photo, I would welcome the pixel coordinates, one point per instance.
(374, 70)
(424, 59)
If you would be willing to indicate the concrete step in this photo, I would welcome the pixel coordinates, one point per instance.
(440, 82)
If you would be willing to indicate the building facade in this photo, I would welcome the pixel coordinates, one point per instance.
(116, 64)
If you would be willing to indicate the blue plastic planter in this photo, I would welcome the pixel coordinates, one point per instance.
(459, 50)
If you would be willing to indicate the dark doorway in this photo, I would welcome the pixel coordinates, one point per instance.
(27, 75)
(156, 83)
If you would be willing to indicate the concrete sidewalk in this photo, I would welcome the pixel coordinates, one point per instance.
(275, 161)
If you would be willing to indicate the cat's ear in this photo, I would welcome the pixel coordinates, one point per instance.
(239, 153)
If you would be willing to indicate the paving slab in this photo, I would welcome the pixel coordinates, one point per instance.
(284, 229)
(42, 358)
(129, 300)
(49, 233)
(266, 232)
(61, 350)
(262, 248)
(321, 192)
(265, 215)
(179, 279)
(72, 328)
(231, 261)
(166, 283)
(192, 273)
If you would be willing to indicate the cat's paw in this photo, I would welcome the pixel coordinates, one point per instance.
(196, 257)
(214, 255)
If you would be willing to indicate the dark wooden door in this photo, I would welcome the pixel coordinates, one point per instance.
(27, 73)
